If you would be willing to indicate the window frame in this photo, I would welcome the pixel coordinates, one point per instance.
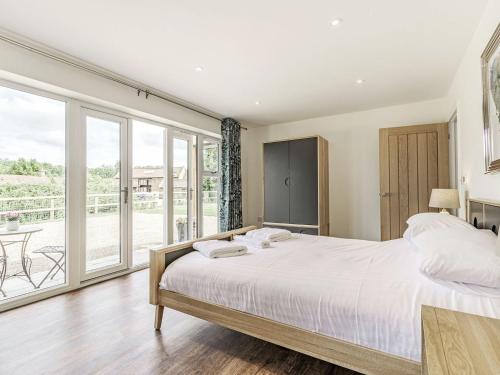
(70, 215)
(203, 173)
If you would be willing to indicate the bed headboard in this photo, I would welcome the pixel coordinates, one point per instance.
(484, 214)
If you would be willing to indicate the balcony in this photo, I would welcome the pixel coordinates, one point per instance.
(47, 214)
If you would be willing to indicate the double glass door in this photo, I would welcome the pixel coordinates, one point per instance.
(106, 194)
(140, 191)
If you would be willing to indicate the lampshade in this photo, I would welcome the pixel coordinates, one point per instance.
(444, 198)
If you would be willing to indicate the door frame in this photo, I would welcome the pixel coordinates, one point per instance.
(189, 211)
(123, 199)
(453, 132)
(443, 165)
(454, 156)
(200, 174)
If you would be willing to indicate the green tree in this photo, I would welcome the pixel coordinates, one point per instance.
(211, 157)
(31, 167)
(25, 167)
(98, 185)
(208, 184)
(52, 170)
(104, 171)
(5, 165)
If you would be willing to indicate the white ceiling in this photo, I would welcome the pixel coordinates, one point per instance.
(283, 53)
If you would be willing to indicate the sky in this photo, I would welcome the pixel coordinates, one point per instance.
(33, 127)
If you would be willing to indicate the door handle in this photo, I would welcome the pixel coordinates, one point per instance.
(385, 194)
(287, 181)
(125, 197)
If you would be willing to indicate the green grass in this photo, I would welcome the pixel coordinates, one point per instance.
(209, 209)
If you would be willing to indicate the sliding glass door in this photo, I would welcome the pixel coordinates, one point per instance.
(127, 162)
(106, 194)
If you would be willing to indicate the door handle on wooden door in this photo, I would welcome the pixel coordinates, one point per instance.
(385, 194)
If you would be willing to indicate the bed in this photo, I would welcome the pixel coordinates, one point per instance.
(368, 319)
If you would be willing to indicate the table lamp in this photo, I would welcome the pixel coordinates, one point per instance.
(444, 199)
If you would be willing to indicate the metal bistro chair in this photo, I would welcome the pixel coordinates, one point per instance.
(51, 252)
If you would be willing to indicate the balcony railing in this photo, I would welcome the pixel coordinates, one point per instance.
(48, 208)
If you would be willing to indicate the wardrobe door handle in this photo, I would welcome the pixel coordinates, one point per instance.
(287, 181)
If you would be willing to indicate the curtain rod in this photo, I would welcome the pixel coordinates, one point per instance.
(101, 74)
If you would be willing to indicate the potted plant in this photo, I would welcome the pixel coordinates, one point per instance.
(12, 219)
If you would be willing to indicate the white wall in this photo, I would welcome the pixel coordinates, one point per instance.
(354, 168)
(466, 95)
(23, 66)
(353, 137)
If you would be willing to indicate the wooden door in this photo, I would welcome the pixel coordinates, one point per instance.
(413, 161)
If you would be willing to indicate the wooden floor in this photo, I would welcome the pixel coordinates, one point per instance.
(108, 329)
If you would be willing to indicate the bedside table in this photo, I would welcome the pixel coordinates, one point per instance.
(459, 343)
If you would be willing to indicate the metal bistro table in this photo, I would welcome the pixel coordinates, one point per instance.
(25, 232)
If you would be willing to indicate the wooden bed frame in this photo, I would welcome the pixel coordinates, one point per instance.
(342, 353)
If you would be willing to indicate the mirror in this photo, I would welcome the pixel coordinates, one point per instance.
(490, 65)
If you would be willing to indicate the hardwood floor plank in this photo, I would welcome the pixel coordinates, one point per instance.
(108, 329)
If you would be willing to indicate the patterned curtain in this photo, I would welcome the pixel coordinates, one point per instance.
(230, 216)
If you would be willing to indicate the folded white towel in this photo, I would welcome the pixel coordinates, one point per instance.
(253, 242)
(270, 234)
(219, 249)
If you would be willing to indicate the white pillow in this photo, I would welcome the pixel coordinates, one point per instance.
(423, 222)
(455, 254)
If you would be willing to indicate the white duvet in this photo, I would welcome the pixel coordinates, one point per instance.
(367, 293)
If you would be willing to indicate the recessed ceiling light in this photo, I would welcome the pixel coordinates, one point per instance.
(336, 21)
(199, 68)
(257, 102)
(360, 81)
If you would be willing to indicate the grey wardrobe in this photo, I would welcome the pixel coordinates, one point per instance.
(296, 185)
